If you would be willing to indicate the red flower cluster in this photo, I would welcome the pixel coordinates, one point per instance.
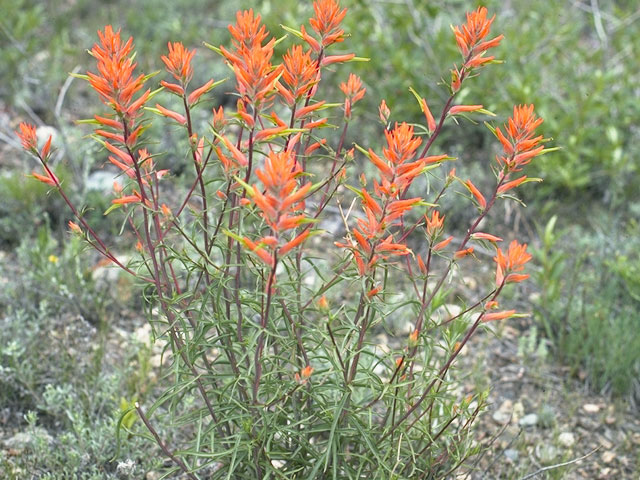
(397, 171)
(353, 91)
(115, 81)
(280, 205)
(469, 38)
(326, 22)
(178, 64)
(29, 140)
(300, 74)
(510, 263)
(520, 144)
(251, 60)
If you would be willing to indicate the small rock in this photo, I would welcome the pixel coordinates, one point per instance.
(504, 413)
(22, 440)
(501, 417)
(512, 454)
(470, 282)
(102, 180)
(518, 411)
(530, 420)
(591, 408)
(567, 439)
(152, 475)
(607, 457)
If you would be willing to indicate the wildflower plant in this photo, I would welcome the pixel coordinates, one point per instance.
(270, 319)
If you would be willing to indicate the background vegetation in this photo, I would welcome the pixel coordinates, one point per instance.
(576, 61)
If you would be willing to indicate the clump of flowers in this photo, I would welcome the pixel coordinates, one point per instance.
(270, 317)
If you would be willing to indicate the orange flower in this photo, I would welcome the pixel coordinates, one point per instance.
(127, 199)
(178, 62)
(353, 91)
(300, 73)
(248, 31)
(374, 291)
(513, 261)
(251, 61)
(520, 143)
(396, 170)
(470, 35)
(326, 22)
(115, 81)
(435, 223)
(280, 203)
(27, 135)
(304, 374)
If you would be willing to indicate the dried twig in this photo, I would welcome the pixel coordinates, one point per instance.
(558, 465)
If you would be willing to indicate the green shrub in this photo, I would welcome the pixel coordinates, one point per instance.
(63, 392)
(589, 304)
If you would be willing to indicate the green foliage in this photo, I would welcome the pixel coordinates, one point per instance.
(575, 65)
(589, 305)
(54, 372)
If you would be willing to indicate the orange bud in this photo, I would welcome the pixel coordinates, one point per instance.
(463, 253)
(306, 372)
(485, 236)
(75, 228)
(464, 108)
(45, 150)
(476, 193)
(44, 179)
(431, 123)
(442, 244)
(384, 112)
(171, 114)
(421, 264)
(489, 317)
(373, 292)
(328, 60)
(126, 199)
(323, 303)
(196, 94)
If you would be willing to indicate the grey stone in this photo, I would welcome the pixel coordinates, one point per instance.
(512, 454)
(530, 420)
(567, 439)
